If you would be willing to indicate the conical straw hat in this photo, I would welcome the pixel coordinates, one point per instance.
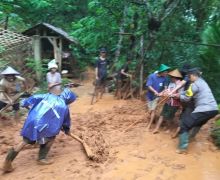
(9, 70)
(175, 73)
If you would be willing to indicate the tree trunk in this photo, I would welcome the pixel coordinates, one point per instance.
(37, 55)
(141, 63)
(121, 31)
(6, 22)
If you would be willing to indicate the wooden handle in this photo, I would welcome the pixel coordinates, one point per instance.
(76, 137)
(88, 151)
(163, 100)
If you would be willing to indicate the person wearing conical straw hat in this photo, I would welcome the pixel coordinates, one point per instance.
(172, 104)
(10, 86)
(185, 81)
(156, 82)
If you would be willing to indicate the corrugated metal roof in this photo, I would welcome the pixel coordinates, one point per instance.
(59, 31)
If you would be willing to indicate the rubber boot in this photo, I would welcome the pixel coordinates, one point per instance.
(7, 167)
(183, 143)
(193, 133)
(44, 149)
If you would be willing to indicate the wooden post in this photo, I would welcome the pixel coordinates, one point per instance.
(60, 48)
(37, 55)
(57, 46)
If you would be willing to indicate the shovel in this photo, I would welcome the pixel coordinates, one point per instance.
(89, 153)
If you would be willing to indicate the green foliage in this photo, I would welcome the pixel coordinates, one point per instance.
(210, 57)
(96, 23)
(23, 14)
(215, 133)
(2, 64)
(42, 88)
(2, 49)
(65, 81)
(218, 122)
(32, 64)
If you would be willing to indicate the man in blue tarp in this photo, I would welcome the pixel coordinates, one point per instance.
(48, 115)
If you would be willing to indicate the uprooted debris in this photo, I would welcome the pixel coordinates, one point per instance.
(95, 127)
(98, 145)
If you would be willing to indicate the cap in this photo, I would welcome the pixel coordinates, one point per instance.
(195, 71)
(103, 50)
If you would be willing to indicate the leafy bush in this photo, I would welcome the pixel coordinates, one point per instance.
(31, 63)
(215, 133)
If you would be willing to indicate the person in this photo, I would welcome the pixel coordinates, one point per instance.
(121, 78)
(53, 78)
(11, 86)
(187, 107)
(205, 108)
(172, 105)
(101, 72)
(156, 83)
(185, 81)
(49, 113)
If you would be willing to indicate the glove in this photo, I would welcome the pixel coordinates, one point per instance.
(66, 130)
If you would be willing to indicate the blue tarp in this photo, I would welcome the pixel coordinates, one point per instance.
(48, 114)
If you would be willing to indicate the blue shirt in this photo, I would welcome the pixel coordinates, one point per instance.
(156, 82)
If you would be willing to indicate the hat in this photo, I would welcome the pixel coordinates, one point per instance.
(175, 73)
(103, 50)
(185, 68)
(52, 65)
(195, 71)
(9, 70)
(163, 67)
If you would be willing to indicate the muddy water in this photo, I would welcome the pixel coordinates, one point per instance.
(154, 157)
(133, 155)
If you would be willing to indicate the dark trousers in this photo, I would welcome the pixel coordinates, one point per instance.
(197, 119)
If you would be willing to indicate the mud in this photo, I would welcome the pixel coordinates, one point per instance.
(133, 155)
(96, 142)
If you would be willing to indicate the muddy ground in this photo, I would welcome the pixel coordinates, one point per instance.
(133, 155)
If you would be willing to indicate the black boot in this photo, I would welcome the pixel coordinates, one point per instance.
(44, 149)
(194, 131)
(7, 167)
(183, 143)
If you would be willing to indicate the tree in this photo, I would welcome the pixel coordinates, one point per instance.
(210, 57)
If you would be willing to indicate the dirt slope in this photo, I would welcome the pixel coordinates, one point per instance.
(133, 155)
